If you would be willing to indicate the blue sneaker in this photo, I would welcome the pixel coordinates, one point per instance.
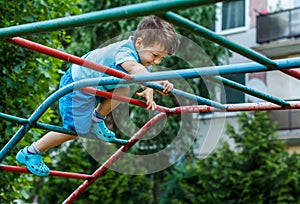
(34, 162)
(100, 130)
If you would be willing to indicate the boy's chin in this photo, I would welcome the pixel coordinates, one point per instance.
(147, 64)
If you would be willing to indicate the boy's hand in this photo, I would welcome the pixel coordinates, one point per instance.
(168, 87)
(148, 95)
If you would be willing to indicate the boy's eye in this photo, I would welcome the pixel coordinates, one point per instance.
(154, 55)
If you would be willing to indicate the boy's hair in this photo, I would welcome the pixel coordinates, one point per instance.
(153, 29)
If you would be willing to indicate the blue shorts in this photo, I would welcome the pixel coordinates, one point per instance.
(76, 107)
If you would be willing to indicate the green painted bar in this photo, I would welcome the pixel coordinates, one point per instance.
(212, 36)
(113, 14)
(12, 118)
(248, 90)
(39, 125)
(251, 54)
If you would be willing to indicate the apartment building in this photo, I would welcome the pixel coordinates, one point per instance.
(272, 28)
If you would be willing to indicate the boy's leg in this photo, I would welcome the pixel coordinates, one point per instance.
(52, 139)
(103, 109)
(108, 105)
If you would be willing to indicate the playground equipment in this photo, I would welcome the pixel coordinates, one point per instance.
(162, 8)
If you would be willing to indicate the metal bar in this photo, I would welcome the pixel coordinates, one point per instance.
(208, 34)
(292, 72)
(66, 57)
(187, 95)
(13, 118)
(39, 125)
(112, 14)
(248, 90)
(74, 59)
(52, 173)
(236, 107)
(282, 64)
(123, 99)
(115, 157)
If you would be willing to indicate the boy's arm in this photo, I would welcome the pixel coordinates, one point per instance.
(133, 67)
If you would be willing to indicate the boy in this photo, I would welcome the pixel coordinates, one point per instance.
(153, 40)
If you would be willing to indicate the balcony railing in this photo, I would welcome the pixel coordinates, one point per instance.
(278, 25)
(286, 119)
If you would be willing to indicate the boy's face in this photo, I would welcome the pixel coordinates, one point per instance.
(150, 55)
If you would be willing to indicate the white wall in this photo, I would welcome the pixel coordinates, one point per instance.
(283, 86)
(276, 5)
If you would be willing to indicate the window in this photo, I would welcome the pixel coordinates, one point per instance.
(232, 16)
(232, 95)
(296, 3)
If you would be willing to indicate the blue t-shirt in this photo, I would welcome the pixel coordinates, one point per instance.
(111, 56)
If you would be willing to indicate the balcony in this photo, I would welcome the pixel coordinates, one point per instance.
(286, 119)
(278, 25)
(288, 125)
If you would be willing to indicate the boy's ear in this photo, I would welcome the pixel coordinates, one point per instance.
(138, 42)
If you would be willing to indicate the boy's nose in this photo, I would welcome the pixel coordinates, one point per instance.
(157, 61)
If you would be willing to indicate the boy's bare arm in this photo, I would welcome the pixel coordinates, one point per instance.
(133, 67)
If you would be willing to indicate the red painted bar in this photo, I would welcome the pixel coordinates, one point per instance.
(235, 107)
(67, 57)
(52, 172)
(292, 72)
(114, 157)
(123, 99)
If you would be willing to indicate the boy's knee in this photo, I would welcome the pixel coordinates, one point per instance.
(124, 91)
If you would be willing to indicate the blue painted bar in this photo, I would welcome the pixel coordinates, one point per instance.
(217, 70)
(113, 14)
(199, 99)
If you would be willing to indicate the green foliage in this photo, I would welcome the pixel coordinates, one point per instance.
(258, 170)
(26, 80)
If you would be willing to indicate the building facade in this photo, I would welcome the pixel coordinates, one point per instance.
(272, 28)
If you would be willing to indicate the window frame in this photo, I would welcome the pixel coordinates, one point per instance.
(218, 25)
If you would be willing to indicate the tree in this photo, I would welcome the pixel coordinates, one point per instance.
(26, 80)
(257, 170)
